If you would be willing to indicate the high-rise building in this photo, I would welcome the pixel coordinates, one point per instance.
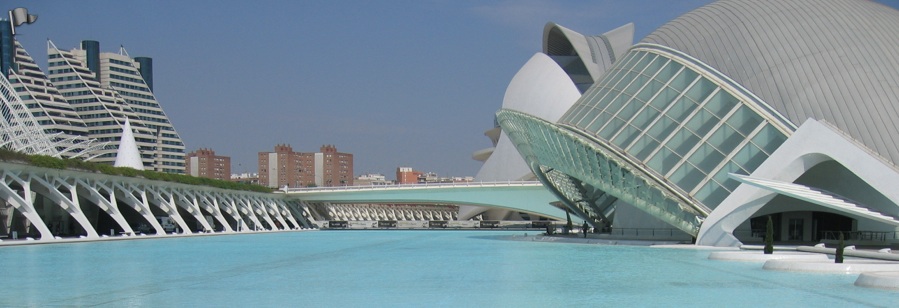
(284, 167)
(39, 116)
(106, 88)
(205, 164)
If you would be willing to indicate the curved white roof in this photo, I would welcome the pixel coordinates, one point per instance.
(539, 88)
(831, 60)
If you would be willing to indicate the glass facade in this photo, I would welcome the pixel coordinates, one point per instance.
(676, 122)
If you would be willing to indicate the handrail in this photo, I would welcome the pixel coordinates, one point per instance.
(411, 186)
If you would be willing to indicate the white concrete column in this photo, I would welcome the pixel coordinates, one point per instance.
(166, 201)
(50, 188)
(106, 201)
(212, 206)
(141, 205)
(24, 203)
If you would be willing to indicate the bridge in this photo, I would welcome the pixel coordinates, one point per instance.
(521, 196)
(49, 204)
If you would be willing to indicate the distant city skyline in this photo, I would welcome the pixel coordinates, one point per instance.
(400, 83)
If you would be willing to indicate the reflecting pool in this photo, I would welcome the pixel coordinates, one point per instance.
(401, 268)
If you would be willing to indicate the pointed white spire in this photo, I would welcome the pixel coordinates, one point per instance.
(128, 155)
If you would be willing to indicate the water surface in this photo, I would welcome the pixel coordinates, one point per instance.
(401, 268)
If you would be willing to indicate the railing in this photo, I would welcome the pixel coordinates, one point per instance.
(647, 232)
(412, 186)
(882, 236)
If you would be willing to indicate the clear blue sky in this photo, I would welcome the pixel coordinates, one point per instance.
(397, 83)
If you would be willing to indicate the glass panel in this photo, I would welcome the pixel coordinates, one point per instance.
(769, 139)
(643, 147)
(651, 88)
(702, 122)
(655, 66)
(706, 158)
(636, 84)
(730, 184)
(681, 109)
(668, 71)
(628, 76)
(725, 139)
(662, 128)
(683, 80)
(590, 113)
(644, 62)
(663, 161)
(700, 90)
(617, 103)
(682, 141)
(665, 98)
(750, 157)
(721, 104)
(645, 117)
(730, 167)
(625, 137)
(629, 110)
(744, 120)
(687, 176)
(601, 120)
(615, 124)
(711, 194)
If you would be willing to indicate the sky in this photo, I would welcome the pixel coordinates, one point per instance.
(399, 83)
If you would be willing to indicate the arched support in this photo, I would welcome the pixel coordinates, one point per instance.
(141, 205)
(212, 205)
(811, 144)
(166, 202)
(230, 207)
(24, 203)
(247, 209)
(260, 208)
(68, 203)
(106, 201)
(189, 203)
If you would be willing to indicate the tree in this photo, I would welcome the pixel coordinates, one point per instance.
(769, 237)
(838, 258)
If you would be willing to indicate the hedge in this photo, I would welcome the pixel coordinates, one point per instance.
(80, 165)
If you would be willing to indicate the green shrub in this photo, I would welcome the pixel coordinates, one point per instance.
(46, 162)
(838, 257)
(769, 237)
(8, 155)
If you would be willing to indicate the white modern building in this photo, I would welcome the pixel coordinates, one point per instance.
(546, 86)
(728, 114)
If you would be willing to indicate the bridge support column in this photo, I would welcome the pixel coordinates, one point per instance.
(68, 203)
(141, 205)
(107, 202)
(212, 206)
(193, 207)
(248, 210)
(24, 203)
(262, 211)
(167, 204)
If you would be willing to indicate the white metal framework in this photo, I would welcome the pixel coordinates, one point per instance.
(52, 201)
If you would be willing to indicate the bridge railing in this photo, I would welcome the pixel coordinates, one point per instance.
(411, 186)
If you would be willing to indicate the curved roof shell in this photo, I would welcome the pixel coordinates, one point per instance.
(833, 60)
